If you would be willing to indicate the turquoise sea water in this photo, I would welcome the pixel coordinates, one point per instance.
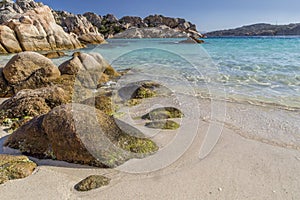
(257, 70)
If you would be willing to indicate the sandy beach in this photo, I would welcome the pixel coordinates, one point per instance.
(237, 168)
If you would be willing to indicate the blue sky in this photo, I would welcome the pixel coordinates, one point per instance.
(208, 15)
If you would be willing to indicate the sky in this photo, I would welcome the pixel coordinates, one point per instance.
(208, 15)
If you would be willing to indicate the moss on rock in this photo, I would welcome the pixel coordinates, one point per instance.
(163, 113)
(92, 182)
(137, 145)
(168, 124)
(15, 167)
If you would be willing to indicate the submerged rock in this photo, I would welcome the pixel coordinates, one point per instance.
(168, 124)
(15, 167)
(81, 134)
(163, 113)
(92, 182)
(138, 90)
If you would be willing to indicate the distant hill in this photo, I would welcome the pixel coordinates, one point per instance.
(259, 30)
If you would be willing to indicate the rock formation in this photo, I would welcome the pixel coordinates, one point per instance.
(29, 26)
(79, 25)
(109, 25)
(154, 32)
(80, 134)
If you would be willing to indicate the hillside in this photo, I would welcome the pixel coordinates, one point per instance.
(259, 30)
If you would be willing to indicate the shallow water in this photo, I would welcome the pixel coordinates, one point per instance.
(257, 70)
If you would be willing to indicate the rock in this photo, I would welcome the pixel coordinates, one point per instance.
(92, 182)
(93, 18)
(192, 40)
(30, 70)
(153, 32)
(33, 102)
(138, 90)
(91, 38)
(30, 26)
(163, 113)
(129, 21)
(89, 69)
(5, 89)
(79, 25)
(168, 124)
(54, 54)
(15, 167)
(81, 134)
(8, 40)
(101, 102)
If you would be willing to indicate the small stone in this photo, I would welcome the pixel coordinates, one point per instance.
(220, 189)
(92, 182)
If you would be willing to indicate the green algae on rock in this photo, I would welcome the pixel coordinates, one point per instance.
(163, 113)
(15, 167)
(81, 134)
(92, 182)
(168, 124)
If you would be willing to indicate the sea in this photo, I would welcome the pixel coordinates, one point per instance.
(257, 77)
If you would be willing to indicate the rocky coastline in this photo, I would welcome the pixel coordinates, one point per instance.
(29, 26)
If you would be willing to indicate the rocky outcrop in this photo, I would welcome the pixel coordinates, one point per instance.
(109, 25)
(15, 167)
(129, 21)
(30, 26)
(80, 134)
(79, 25)
(154, 32)
(259, 30)
(29, 70)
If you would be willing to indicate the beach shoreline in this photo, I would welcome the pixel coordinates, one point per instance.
(237, 168)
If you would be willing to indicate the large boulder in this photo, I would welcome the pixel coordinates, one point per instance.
(31, 103)
(90, 69)
(30, 26)
(15, 167)
(30, 70)
(8, 40)
(81, 134)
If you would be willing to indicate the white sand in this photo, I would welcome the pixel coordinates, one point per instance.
(237, 168)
